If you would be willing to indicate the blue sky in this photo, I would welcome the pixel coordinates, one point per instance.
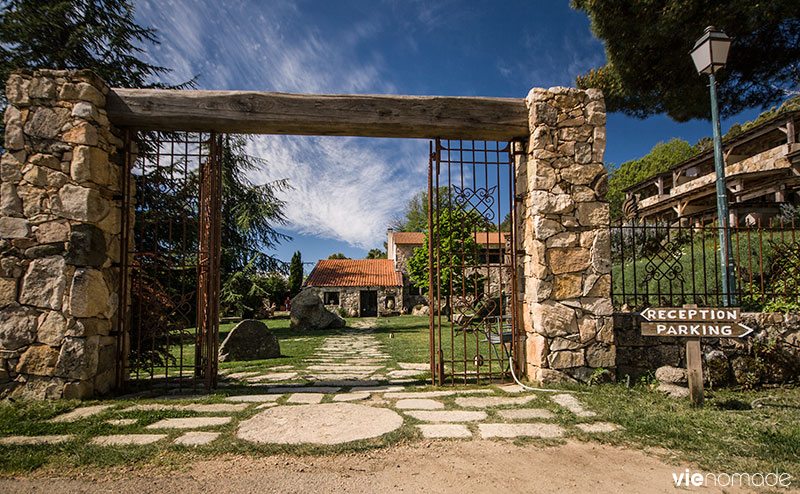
(346, 190)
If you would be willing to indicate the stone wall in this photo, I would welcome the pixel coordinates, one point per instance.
(350, 299)
(60, 204)
(403, 252)
(770, 354)
(567, 311)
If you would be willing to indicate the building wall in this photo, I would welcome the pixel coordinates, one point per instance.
(350, 299)
(564, 237)
(771, 354)
(60, 209)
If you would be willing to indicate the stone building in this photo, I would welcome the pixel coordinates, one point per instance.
(361, 287)
(762, 171)
(400, 247)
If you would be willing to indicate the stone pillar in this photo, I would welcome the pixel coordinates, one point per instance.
(567, 310)
(60, 204)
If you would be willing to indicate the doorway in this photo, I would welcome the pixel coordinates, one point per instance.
(369, 303)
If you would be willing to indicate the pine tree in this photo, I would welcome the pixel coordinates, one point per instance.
(295, 274)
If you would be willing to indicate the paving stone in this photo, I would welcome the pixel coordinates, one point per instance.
(275, 376)
(519, 430)
(419, 404)
(266, 405)
(80, 413)
(492, 401)
(413, 366)
(572, 404)
(126, 439)
(345, 367)
(189, 423)
(327, 423)
(525, 414)
(308, 389)
(216, 407)
(376, 389)
(434, 394)
(306, 398)
(121, 422)
(436, 431)
(446, 416)
(149, 407)
(253, 398)
(242, 375)
(404, 373)
(196, 438)
(597, 427)
(511, 388)
(282, 367)
(30, 440)
(349, 383)
(320, 376)
(351, 397)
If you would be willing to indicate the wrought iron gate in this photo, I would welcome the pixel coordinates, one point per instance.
(471, 264)
(171, 239)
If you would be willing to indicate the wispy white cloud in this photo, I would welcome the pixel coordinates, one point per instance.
(342, 188)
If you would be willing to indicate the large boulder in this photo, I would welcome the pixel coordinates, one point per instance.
(249, 340)
(308, 312)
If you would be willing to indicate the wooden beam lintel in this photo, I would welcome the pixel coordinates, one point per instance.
(251, 112)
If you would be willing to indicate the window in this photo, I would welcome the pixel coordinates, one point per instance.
(331, 298)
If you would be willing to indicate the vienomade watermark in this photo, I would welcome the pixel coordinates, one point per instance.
(697, 479)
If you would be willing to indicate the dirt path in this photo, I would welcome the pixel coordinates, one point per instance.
(432, 467)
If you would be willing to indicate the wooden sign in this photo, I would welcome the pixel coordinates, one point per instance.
(694, 322)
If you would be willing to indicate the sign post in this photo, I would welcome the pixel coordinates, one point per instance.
(693, 323)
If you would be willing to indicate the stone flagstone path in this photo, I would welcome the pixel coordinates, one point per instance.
(345, 392)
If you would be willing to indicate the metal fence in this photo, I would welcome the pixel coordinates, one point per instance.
(662, 264)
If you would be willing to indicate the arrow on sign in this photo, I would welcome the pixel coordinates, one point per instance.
(727, 329)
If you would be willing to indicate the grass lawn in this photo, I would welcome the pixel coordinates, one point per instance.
(726, 434)
(735, 430)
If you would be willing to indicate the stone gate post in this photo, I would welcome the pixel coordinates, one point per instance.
(60, 204)
(567, 310)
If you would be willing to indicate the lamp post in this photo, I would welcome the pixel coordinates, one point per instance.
(710, 53)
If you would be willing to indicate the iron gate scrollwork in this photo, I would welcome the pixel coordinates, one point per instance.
(170, 260)
(472, 259)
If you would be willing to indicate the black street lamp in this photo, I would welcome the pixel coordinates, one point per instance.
(709, 54)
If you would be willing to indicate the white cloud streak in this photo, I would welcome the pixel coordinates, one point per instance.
(345, 189)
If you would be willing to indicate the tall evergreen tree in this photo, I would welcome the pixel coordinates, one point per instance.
(295, 274)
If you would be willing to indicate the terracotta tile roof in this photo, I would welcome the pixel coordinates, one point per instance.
(414, 238)
(354, 272)
(491, 237)
(417, 238)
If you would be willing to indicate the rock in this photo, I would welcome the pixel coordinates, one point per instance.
(46, 122)
(52, 231)
(565, 359)
(87, 246)
(44, 283)
(716, 368)
(14, 227)
(568, 259)
(249, 340)
(420, 310)
(553, 319)
(8, 291)
(89, 295)
(17, 327)
(673, 390)
(308, 312)
(672, 375)
(78, 358)
(52, 328)
(10, 203)
(80, 203)
(39, 360)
